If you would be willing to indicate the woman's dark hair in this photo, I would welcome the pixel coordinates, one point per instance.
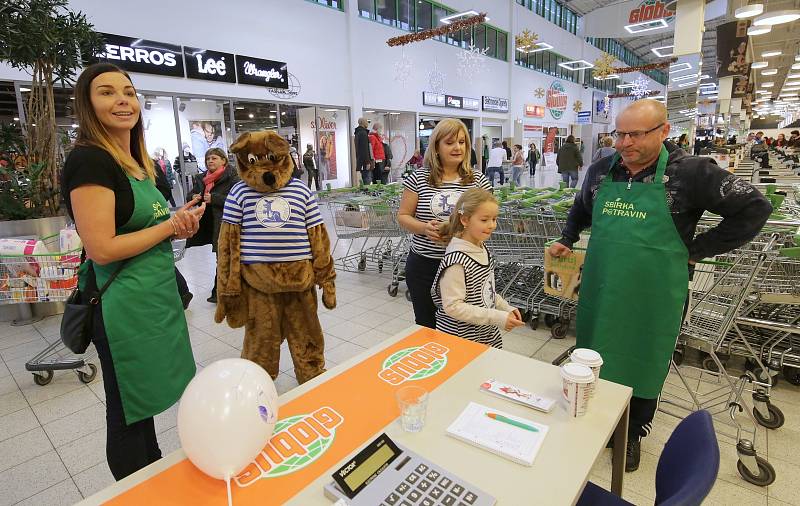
(571, 138)
(92, 132)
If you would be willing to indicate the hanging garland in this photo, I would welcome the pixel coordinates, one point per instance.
(435, 32)
(603, 66)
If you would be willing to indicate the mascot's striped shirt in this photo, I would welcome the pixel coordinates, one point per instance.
(274, 225)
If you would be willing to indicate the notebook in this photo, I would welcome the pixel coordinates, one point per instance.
(521, 445)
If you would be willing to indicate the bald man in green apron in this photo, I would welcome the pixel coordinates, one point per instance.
(643, 204)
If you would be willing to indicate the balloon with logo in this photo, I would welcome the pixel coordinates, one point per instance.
(226, 416)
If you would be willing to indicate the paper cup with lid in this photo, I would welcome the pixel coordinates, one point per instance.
(575, 379)
(592, 360)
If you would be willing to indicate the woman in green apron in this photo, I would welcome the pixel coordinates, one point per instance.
(140, 331)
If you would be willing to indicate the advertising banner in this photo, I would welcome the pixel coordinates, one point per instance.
(600, 113)
(732, 43)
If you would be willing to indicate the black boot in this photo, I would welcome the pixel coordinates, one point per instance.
(186, 298)
(633, 455)
(213, 298)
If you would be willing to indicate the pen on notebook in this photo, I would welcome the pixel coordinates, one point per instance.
(501, 418)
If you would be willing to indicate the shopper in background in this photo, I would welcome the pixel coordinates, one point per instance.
(794, 139)
(415, 161)
(495, 164)
(533, 159)
(163, 186)
(759, 138)
(429, 197)
(363, 156)
(376, 150)
(780, 142)
(310, 166)
(387, 162)
(139, 329)
(635, 278)
(212, 188)
(517, 165)
(507, 149)
(166, 168)
(467, 302)
(569, 162)
(485, 153)
(606, 149)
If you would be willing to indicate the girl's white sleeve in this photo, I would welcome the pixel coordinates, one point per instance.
(501, 304)
(453, 288)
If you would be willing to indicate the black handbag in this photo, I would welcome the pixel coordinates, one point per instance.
(76, 324)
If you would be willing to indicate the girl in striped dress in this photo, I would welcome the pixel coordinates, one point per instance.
(464, 292)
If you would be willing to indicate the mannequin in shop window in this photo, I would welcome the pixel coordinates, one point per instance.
(162, 163)
(311, 166)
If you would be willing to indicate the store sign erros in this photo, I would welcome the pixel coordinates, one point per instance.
(259, 72)
(209, 65)
(650, 10)
(297, 442)
(495, 104)
(415, 363)
(144, 56)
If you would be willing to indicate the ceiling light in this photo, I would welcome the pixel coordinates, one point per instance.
(24, 89)
(609, 76)
(796, 66)
(684, 85)
(769, 72)
(679, 67)
(453, 17)
(792, 99)
(797, 58)
(16, 118)
(662, 51)
(684, 78)
(576, 65)
(777, 17)
(767, 54)
(767, 85)
(748, 11)
(764, 92)
(331, 110)
(74, 125)
(659, 97)
(250, 115)
(541, 46)
(760, 65)
(646, 26)
(625, 85)
(758, 30)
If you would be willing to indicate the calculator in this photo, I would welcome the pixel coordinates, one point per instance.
(385, 474)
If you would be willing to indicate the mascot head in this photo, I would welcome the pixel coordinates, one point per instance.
(263, 160)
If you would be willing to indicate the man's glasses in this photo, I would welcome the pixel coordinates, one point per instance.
(635, 136)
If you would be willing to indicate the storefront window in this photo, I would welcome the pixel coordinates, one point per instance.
(328, 130)
(479, 36)
(254, 116)
(502, 45)
(385, 12)
(203, 124)
(366, 8)
(424, 15)
(400, 133)
(405, 14)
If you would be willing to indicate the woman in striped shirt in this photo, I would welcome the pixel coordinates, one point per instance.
(429, 197)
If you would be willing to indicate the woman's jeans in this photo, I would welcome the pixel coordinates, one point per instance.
(571, 178)
(516, 174)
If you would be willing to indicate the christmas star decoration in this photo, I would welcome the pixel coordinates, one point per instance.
(539, 92)
(403, 69)
(436, 79)
(471, 61)
(577, 106)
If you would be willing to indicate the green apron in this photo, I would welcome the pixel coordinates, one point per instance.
(634, 283)
(143, 317)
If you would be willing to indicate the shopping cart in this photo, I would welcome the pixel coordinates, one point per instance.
(50, 277)
(718, 292)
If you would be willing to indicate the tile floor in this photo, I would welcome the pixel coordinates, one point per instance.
(52, 438)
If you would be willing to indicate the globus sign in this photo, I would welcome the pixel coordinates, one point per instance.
(556, 100)
(415, 363)
(297, 441)
(651, 10)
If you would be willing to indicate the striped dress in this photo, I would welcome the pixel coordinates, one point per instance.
(274, 225)
(436, 203)
(480, 291)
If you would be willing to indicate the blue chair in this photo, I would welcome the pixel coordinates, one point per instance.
(687, 468)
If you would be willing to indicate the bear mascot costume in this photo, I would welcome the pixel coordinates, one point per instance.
(273, 248)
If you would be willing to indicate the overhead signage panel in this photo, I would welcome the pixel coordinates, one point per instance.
(142, 55)
(209, 65)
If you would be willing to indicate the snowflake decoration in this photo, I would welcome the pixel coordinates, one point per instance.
(403, 69)
(577, 106)
(436, 78)
(607, 103)
(539, 92)
(471, 61)
(526, 40)
(603, 66)
(639, 89)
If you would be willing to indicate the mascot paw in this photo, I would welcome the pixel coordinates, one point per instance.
(329, 295)
(233, 308)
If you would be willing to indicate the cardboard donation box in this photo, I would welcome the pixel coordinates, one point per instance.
(562, 276)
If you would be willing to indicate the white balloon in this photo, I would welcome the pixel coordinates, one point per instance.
(226, 416)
